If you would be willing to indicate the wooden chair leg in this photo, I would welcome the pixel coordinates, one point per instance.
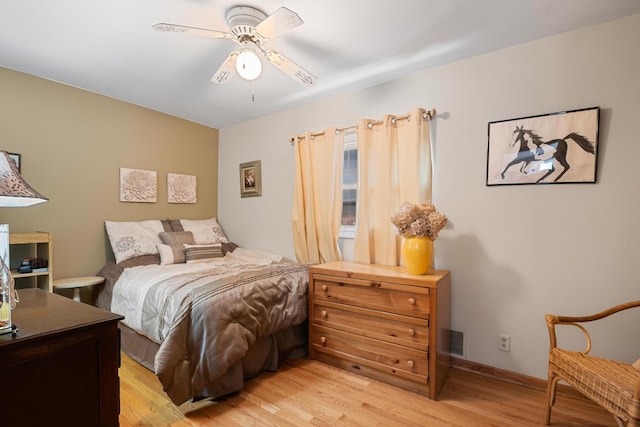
(552, 382)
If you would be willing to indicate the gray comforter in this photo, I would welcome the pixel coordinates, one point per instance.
(205, 316)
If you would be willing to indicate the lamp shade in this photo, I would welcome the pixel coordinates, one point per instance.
(248, 65)
(14, 191)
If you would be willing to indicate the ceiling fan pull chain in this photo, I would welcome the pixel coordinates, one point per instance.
(253, 91)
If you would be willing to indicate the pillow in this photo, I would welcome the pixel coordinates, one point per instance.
(170, 254)
(133, 238)
(140, 260)
(172, 251)
(177, 238)
(202, 253)
(228, 247)
(205, 231)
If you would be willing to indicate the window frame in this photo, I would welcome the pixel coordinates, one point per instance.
(350, 143)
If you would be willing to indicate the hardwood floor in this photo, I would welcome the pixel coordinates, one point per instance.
(309, 393)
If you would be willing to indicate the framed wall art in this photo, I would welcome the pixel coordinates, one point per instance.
(181, 188)
(250, 180)
(17, 160)
(555, 148)
(137, 185)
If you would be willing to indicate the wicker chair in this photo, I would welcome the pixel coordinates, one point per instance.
(611, 384)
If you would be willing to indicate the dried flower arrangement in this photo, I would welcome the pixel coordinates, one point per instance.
(419, 220)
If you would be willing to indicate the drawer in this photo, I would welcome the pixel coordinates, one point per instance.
(395, 328)
(391, 297)
(390, 358)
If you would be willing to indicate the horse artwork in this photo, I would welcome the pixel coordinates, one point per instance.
(524, 156)
(532, 147)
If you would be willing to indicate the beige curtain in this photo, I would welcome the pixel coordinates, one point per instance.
(317, 199)
(394, 166)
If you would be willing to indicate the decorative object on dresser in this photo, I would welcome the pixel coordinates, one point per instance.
(62, 367)
(14, 192)
(419, 225)
(381, 322)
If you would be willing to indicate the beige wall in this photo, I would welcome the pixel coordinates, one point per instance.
(515, 252)
(73, 144)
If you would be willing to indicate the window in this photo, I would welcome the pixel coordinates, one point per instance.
(349, 185)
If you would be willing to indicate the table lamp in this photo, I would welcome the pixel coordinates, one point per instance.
(14, 192)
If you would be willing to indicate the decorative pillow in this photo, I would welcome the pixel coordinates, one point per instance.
(166, 224)
(636, 364)
(201, 253)
(133, 238)
(205, 231)
(177, 238)
(172, 252)
(228, 247)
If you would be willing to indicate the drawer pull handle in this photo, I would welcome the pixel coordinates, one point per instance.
(410, 363)
(412, 301)
(324, 314)
(325, 287)
(323, 340)
(412, 332)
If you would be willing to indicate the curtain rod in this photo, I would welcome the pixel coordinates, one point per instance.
(428, 114)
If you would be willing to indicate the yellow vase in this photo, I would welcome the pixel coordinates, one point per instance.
(417, 253)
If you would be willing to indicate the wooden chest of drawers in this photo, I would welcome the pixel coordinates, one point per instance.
(381, 322)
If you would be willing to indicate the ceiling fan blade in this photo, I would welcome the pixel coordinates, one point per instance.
(226, 70)
(172, 28)
(278, 22)
(290, 68)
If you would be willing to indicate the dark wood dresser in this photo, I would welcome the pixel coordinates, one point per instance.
(62, 367)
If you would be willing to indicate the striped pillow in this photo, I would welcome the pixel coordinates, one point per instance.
(202, 253)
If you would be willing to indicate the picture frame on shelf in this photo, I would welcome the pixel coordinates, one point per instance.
(250, 179)
(554, 148)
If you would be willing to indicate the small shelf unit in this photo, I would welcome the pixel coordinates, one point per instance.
(38, 244)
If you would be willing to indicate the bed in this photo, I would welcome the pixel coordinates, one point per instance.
(202, 313)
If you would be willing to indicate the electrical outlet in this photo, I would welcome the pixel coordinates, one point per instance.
(504, 342)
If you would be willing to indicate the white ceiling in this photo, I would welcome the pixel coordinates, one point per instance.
(109, 47)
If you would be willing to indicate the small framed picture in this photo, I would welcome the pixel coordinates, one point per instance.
(16, 159)
(250, 180)
(555, 148)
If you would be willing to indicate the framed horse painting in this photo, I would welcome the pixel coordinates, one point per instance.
(555, 148)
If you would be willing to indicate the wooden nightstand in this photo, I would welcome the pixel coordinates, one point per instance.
(62, 368)
(381, 322)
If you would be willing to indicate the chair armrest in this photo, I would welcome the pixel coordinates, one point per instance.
(553, 320)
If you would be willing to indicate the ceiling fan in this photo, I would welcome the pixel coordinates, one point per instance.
(251, 28)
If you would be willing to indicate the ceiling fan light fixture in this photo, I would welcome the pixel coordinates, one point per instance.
(248, 65)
